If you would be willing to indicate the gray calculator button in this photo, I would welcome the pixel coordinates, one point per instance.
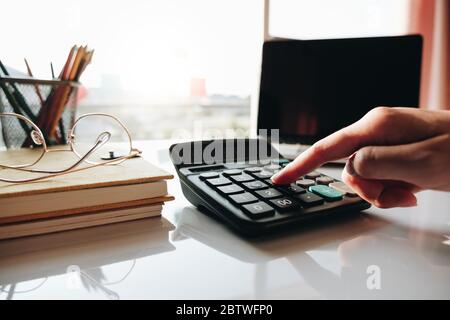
(258, 210)
(230, 189)
(263, 174)
(324, 180)
(312, 175)
(243, 198)
(208, 175)
(255, 185)
(269, 193)
(342, 187)
(216, 182)
(305, 183)
(252, 169)
(242, 178)
(231, 172)
(272, 167)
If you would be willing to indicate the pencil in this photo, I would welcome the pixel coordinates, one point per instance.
(36, 87)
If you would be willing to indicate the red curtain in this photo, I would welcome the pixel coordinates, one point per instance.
(431, 19)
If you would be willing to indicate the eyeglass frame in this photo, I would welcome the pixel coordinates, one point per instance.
(100, 141)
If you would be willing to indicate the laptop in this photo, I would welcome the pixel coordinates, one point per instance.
(312, 88)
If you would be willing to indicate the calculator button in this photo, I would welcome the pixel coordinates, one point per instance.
(312, 175)
(255, 185)
(292, 188)
(309, 199)
(230, 189)
(235, 165)
(284, 204)
(272, 167)
(242, 178)
(269, 193)
(262, 174)
(324, 180)
(328, 193)
(243, 198)
(280, 161)
(258, 210)
(305, 183)
(231, 172)
(252, 169)
(208, 175)
(345, 189)
(216, 182)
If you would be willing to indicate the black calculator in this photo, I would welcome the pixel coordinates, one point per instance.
(230, 178)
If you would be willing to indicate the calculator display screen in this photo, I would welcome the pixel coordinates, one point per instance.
(221, 151)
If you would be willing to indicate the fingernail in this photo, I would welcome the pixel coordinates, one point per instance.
(275, 177)
(349, 168)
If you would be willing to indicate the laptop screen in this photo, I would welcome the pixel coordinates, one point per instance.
(310, 89)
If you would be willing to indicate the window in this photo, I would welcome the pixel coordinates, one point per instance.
(166, 67)
(305, 19)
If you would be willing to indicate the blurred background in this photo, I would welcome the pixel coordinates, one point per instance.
(171, 68)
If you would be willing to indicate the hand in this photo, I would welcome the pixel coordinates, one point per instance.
(395, 152)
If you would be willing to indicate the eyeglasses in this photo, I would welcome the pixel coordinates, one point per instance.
(96, 139)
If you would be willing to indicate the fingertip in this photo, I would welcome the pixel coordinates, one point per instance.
(275, 178)
(281, 177)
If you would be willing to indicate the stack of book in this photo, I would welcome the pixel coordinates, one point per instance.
(133, 190)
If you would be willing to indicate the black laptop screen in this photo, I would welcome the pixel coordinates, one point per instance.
(309, 89)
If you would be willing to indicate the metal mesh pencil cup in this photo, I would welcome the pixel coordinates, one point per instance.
(35, 93)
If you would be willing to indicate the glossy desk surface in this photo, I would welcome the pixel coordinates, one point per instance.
(187, 255)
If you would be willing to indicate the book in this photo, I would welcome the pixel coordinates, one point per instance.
(46, 205)
(130, 184)
(132, 171)
(50, 225)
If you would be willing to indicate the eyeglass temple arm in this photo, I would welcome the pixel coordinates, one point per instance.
(101, 140)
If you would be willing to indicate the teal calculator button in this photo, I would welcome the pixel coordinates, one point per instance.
(280, 161)
(326, 192)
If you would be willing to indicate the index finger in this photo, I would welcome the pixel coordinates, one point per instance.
(338, 145)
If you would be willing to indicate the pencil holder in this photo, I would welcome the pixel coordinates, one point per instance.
(50, 104)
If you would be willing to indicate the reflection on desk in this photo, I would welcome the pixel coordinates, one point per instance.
(410, 245)
(408, 270)
(27, 263)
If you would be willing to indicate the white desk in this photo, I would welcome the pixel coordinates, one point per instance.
(187, 255)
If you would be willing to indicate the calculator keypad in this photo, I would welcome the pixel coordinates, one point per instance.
(251, 190)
